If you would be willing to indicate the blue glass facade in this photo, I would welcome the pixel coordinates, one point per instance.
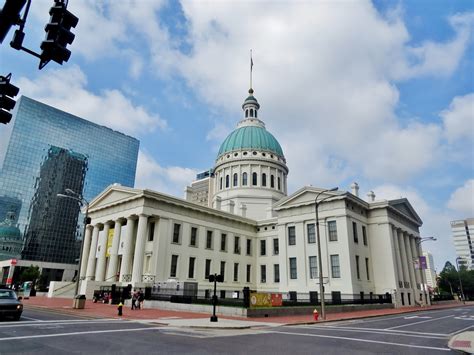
(109, 156)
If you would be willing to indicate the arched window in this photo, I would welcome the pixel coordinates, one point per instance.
(251, 112)
(246, 113)
(227, 181)
(254, 179)
(264, 179)
(235, 179)
(255, 113)
(272, 181)
(244, 179)
(221, 183)
(279, 183)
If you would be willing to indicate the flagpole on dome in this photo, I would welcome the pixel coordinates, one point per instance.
(251, 67)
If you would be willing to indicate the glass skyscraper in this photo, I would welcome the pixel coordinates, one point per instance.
(49, 151)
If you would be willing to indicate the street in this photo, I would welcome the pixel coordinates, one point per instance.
(45, 332)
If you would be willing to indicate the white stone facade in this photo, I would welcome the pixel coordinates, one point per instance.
(247, 228)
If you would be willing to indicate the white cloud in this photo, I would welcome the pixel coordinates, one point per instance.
(65, 89)
(462, 200)
(458, 119)
(171, 180)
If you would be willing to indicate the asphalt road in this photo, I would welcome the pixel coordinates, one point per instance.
(44, 332)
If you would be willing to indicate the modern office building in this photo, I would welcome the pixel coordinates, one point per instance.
(48, 151)
(430, 272)
(238, 221)
(45, 238)
(463, 238)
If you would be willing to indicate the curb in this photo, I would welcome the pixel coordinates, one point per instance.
(376, 315)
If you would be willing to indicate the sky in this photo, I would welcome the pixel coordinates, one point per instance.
(380, 93)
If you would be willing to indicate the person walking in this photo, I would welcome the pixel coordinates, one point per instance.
(141, 298)
(134, 300)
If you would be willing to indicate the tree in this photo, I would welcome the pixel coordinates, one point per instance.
(448, 281)
(31, 273)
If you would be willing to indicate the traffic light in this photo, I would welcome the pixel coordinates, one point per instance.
(10, 16)
(7, 93)
(58, 35)
(216, 278)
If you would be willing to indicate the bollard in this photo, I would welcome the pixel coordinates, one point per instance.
(315, 314)
(119, 308)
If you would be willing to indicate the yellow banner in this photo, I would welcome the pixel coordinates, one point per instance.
(260, 299)
(110, 239)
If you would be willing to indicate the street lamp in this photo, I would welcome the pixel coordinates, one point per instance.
(82, 203)
(459, 277)
(418, 243)
(320, 263)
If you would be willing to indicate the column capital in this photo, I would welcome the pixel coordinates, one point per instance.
(143, 215)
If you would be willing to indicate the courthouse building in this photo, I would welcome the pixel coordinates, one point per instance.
(238, 221)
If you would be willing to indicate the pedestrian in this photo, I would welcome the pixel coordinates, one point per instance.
(141, 298)
(134, 300)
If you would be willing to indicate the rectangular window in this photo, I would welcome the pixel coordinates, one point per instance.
(207, 270)
(263, 274)
(249, 247)
(313, 267)
(291, 236)
(357, 267)
(223, 269)
(209, 240)
(332, 227)
(174, 265)
(276, 246)
(236, 245)
(311, 233)
(364, 235)
(276, 273)
(335, 268)
(249, 268)
(354, 232)
(263, 247)
(151, 232)
(223, 242)
(176, 230)
(192, 260)
(236, 271)
(193, 239)
(367, 268)
(293, 273)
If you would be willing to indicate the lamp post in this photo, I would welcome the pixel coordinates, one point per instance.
(320, 263)
(459, 277)
(418, 243)
(82, 203)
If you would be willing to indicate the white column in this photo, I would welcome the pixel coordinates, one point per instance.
(113, 261)
(414, 253)
(101, 260)
(127, 250)
(398, 257)
(139, 249)
(85, 251)
(403, 255)
(90, 273)
(411, 268)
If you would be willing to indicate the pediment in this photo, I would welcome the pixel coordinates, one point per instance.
(404, 207)
(304, 196)
(113, 194)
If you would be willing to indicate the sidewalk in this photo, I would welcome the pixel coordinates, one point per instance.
(192, 319)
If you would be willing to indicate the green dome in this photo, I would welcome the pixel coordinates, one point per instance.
(251, 137)
(9, 231)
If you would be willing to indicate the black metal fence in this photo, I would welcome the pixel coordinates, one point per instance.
(290, 299)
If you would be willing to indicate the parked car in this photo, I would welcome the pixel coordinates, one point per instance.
(10, 304)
